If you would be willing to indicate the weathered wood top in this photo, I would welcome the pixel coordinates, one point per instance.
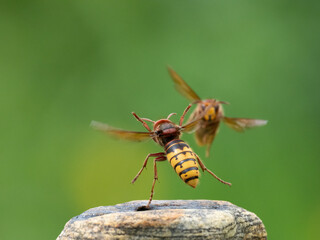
(178, 219)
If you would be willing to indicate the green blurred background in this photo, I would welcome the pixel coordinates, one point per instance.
(65, 63)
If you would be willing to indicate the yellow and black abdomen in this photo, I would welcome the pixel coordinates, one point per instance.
(183, 161)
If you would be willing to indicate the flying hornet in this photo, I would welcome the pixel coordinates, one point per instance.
(209, 122)
(167, 134)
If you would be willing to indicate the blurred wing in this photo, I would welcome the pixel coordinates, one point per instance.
(211, 135)
(122, 134)
(194, 120)
(240, 124)
(182, 86)
(195, 114)
(191, 126)
(205, 135)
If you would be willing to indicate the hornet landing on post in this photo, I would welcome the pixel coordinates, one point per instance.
(167, 134)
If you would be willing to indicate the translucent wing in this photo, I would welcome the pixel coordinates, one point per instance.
(240, 124)
(206, 134)
(195, 114)
(191, 126)
(194, 123)
(182, 86)
(122, 134)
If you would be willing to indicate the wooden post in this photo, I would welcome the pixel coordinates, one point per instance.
(178, 219)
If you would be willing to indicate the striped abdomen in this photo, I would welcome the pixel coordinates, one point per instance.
(183, 161)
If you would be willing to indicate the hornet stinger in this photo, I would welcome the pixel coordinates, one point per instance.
(209, 122)
(167, 134)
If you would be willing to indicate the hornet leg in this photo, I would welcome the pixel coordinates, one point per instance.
(143, 122)
(184, 114)
(158, 159)
(161, 154)
(204, 168)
